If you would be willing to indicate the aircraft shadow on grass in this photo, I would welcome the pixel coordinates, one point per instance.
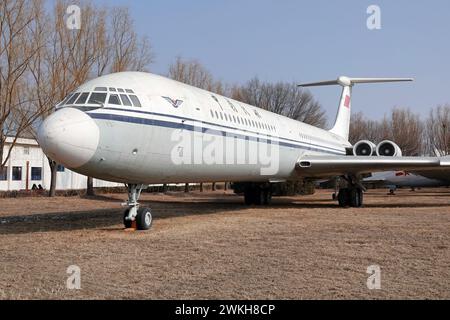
(110, 219)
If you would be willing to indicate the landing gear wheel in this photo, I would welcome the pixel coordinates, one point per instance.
(344, 197)
(258, 197)
(356, 198)
(127, 223)
(248, 197)
(267, 195)
(144, 219)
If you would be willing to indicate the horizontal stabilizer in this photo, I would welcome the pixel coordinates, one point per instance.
(348, 82)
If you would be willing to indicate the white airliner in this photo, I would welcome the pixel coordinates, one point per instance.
(139, 128)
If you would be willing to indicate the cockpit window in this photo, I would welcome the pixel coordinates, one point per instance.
(135, 100)
(97, 98)
(82, 98)
(114, 99)
(125, 100)
(65, 99)
(100, 89)
(73, 98)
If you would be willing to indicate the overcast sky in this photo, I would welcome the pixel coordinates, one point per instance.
(309, 41)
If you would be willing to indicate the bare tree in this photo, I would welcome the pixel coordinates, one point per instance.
(129, 52)
(195, 74)
(437, 133)
(18, 27)
(70, 57)
(403, 127)
(407, 131)
(282, 98)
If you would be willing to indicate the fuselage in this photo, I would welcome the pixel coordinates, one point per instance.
(135, 127)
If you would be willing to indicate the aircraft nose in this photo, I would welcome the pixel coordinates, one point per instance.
(69, 136)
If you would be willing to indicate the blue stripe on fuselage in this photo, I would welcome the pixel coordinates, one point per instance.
(168, 124)
(220, 125)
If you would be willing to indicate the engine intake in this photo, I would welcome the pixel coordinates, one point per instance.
(388, 148)
(364, 148)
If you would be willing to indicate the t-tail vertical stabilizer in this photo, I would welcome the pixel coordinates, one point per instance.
(342, 124)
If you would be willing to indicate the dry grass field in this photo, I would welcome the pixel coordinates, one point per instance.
(209, 245)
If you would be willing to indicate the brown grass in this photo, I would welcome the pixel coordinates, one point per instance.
(211, 246)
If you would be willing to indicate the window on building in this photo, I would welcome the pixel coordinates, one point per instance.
(120, 90)
(26, 150)
(212, 113)
(114, 99)
(17, 173)
(4, 174)
(60, 168)
(36, 173)
(97, 98)
(129, 91)
(112, 89)
(135, 100)
(100, 89)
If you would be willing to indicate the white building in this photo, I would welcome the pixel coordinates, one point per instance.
(28, 166)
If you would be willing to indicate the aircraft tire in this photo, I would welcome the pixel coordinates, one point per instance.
(344, 197)
(144, 219)
(356, 197)
(267, 195)
(248, 197)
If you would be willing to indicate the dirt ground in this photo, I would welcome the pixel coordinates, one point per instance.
(209, 245)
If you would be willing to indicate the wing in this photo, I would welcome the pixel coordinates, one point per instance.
(326, 166)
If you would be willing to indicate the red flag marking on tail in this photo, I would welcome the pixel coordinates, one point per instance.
(347, 101)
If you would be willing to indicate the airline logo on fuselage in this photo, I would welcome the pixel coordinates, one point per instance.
(175, 103)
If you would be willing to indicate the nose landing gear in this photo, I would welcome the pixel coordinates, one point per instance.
(134, 216)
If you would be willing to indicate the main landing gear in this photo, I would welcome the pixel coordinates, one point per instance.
(258, 194)
(134, 216)
(353, 194)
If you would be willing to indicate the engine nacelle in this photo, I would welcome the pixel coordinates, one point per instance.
(388, 148)
(364, 148)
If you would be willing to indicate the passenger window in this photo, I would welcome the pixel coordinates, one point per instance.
(97, 98)
(73, 98)
(114, 99)
(135, 100)
(125, 100)
(82, 99)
